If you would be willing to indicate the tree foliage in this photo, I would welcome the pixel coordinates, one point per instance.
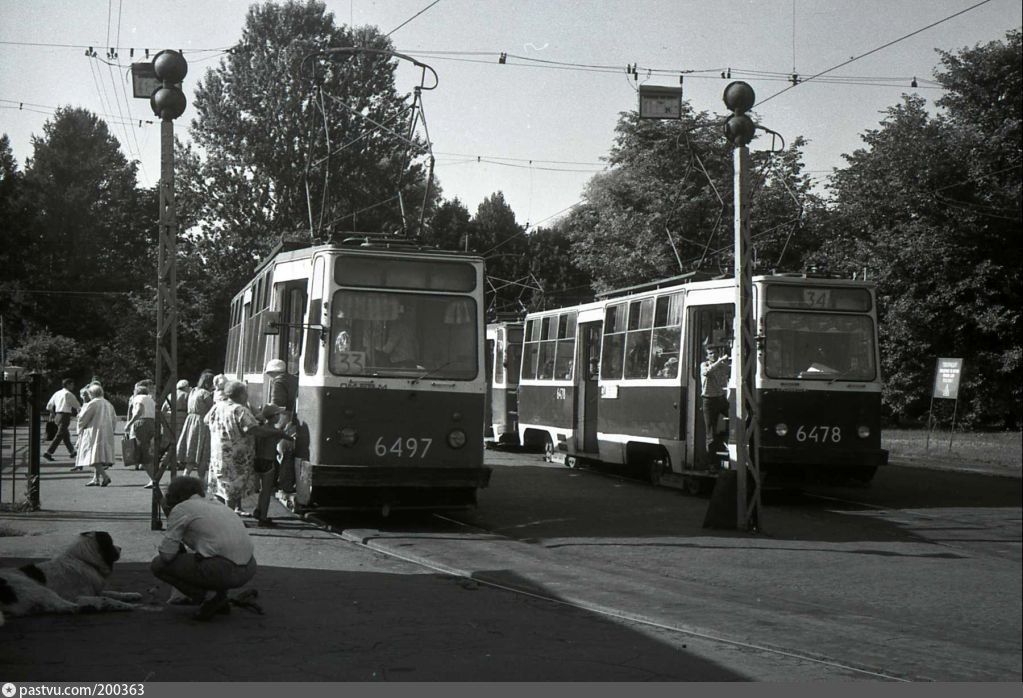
(931, 205)
(664, 206)
(80, 241)
(294, 139)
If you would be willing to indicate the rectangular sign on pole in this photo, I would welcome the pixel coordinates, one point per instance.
(946, 379)
(144, 81)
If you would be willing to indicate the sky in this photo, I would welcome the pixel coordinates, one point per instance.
(537, 126)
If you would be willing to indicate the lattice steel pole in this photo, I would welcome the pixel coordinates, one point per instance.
(168, 103)
(739, 129)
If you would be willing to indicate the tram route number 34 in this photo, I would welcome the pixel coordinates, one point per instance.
(819, 434)
(403, 447)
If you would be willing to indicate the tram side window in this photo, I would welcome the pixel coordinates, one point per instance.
(637, 339)
(531, 350)
(548, 347)
(665, 357)
(565, 353)
(612, 356)
(513, 355)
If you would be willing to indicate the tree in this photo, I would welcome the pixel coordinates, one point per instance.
(552, 266)
(292, 139)
(931, 206)
(496, 235)
(449, 227)
(81, 239)
(664, 206)
(14, 217)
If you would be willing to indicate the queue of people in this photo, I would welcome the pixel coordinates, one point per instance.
(234, 449)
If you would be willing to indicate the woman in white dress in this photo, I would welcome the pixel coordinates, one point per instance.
(96, 445)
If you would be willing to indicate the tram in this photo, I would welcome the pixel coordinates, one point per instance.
(504, 359)
(384, 339)
(618, 380)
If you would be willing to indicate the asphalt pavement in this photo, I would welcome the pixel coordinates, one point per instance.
(328, 610)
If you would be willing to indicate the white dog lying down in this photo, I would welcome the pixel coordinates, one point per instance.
(69, 583)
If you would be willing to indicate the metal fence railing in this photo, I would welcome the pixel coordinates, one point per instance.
(20, 436)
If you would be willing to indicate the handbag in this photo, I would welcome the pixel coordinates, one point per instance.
(51, 429)
(129, 450)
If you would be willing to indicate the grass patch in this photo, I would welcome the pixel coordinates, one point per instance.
(1004, 448)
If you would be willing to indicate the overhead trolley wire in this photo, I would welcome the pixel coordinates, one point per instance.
(875, 50)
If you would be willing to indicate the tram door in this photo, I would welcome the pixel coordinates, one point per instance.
(588, 396)
(708, 326)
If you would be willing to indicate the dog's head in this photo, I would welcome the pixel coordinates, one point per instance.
(97, 549)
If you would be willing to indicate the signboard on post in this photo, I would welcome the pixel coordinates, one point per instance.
(946, 387)
(946, 379)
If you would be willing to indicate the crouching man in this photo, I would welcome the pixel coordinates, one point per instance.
(206, 548)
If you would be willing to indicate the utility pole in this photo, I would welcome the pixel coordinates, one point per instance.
(168, 102)
(739, 129)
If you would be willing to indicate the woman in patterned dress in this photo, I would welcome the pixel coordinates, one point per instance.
(232, 446)
(194, 442)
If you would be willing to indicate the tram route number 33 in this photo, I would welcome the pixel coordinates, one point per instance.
(402, 447)
(819, 434)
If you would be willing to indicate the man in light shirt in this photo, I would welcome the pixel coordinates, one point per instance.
(713, 389)
(206, 548)
(62, 405)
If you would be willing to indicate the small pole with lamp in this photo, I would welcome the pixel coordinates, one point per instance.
(739, 130)
(163, 77)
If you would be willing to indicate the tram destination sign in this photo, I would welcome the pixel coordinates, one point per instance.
(946, 378)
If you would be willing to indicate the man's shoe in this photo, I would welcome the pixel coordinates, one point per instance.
(74, 454)
(265, 523)
(47, 456)
(218, 604)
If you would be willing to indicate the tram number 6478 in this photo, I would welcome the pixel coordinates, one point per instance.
(403, 447)
(819, 434)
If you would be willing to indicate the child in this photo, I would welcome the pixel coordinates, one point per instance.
(265, 462)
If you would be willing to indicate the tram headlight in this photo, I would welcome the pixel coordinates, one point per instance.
(781, 428)
(863, 432)
(456, 438)
(349, 436)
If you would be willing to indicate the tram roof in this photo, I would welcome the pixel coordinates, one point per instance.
(687, 278)
(355, 240)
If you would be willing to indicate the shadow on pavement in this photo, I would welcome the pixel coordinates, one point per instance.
(344, 626)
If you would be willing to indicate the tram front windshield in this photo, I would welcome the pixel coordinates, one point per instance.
(376, 333)
(820, 346)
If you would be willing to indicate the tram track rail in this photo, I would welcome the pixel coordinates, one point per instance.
(373, 544)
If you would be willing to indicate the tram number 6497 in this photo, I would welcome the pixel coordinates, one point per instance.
(403, 447)
(819, 434)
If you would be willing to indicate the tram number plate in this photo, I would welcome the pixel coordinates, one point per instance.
(819, 434)
(402, 447)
